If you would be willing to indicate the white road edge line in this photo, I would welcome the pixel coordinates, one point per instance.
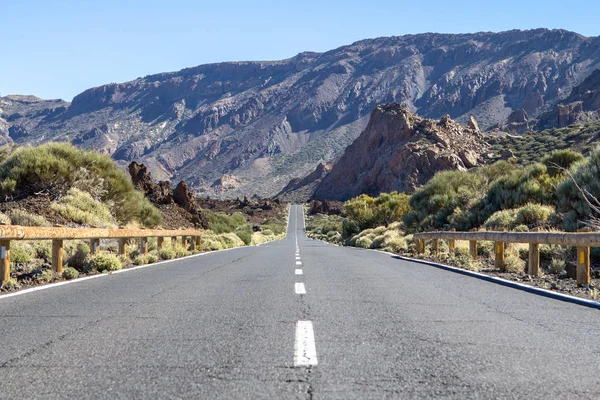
(300, 289)
(299, 272)
(305, 350)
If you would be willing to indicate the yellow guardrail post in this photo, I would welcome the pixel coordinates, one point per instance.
(473, 246)
(583, 267)
(160, 242)
(144, 246)
(434, 246)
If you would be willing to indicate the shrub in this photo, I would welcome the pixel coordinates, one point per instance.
(21, 253)
(570, 200)
(140, 259)
(4, 219)
(42, 249)
(180, 250)
(104, 262)
(79, 258)
(276, 226)
(502, 219)
(349, 228)
(433, 203)
(512, 260)
(245, 233)
(23, 218)
(43, 276)
(167, 254)
(534, 214)
(390, 241)
(152, 258)
(462, 259)
(70, 273)
(223, 223)
(80, 207)
(557, 266)
(11, 284)
(63, 165)
(561, 159)
(369, 212)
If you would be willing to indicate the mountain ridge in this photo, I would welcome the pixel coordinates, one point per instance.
(266, 122)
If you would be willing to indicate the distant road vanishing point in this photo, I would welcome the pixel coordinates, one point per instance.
(297, 319)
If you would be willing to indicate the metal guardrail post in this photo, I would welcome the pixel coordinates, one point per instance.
(4, 260)
(173, 241)
(184, 241)
(160, 242)
(435, 246)
(57, 256)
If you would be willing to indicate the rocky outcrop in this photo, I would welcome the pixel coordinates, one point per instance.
(398, 151)
(582, 105)
(326, 207)
(161, 193)
(301, 189)
(518, 122)
(268, 122)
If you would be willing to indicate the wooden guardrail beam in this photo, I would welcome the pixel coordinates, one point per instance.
(15, 232)
(584, 239)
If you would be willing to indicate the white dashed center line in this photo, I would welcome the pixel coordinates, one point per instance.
(299, 272)
(297, 258)
(300, 289)
(298, 262)
(305, 350)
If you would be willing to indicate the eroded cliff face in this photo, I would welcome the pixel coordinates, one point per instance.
(399, 151)
(260, 124)
(582, 105)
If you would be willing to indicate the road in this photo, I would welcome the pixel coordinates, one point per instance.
(234, 325)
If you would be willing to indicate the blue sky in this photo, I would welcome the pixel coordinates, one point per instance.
(58, 48)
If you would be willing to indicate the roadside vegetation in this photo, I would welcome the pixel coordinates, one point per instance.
(500, 196)
(82, 189)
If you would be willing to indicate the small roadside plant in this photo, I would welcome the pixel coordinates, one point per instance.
(104, 263)
(557, 266)
(70, 273)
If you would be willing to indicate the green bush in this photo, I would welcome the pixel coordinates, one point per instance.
(11, 284)
(438, 199)
(167, 254)
(104, 263)
(62, 165)
(70, 273)
(245, 233)
(533, 214)
(504, 219)
(368, 212)
(570, 200)
(223, 223)
(4, 219)
(44, 276)
(21, 253)
(557, 266)
(79, 258)
(42, 249)
(152, 258)
(23, 218)
(560, 160)
(274, 225)
(81, 208)
(140, 259)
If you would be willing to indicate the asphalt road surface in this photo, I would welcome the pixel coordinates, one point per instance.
(323, 322)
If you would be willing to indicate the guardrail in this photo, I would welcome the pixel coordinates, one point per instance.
(58, 234)
(583, 240)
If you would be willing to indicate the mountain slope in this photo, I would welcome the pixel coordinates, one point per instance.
(264, 123)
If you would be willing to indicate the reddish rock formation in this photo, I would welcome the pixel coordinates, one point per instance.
(400, 151)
